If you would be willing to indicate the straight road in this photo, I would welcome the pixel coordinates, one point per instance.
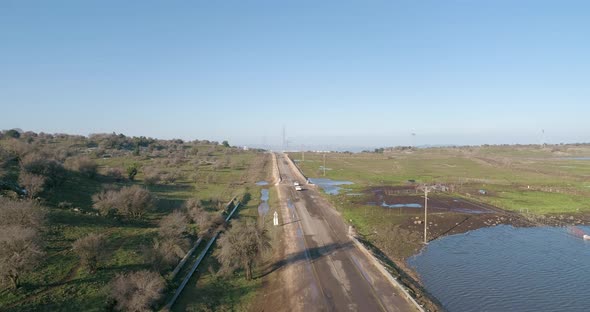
(322, 269)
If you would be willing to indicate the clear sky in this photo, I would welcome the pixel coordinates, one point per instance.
(332, 72)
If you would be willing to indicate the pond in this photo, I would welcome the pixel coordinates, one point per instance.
(504, 268)
(261, 183)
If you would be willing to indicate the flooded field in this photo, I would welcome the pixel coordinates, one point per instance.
(504, 268)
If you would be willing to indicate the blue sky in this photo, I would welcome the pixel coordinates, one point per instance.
(353, 73)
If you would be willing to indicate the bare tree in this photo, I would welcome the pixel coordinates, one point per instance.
(25, 213)
(165, 252)
(20, 252)
(90, 249)
(206, 222)
(174, 225)
(116, 174)
(137, 291)
(32, 183)
(131, 201)
(84, 165)
(105, 202)
(152, 176)
(44, 165)
(241, 246)
(134, 201)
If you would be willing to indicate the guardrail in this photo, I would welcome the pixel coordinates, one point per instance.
(297, 167)
(202, 255)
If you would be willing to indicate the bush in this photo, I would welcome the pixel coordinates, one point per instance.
(173, 226)
(115, 173)
(137, 291)
(40, 164)
(84, 165)
(132, 172)
(105, 202)
(132, 201)
(32, 183)
(151, 176)
(166, 253)
(90, 249)
(20, 242)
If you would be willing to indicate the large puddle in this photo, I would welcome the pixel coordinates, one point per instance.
(261, 183)
(329, 186)
(504, 268)
(263, 208)
(386, 205)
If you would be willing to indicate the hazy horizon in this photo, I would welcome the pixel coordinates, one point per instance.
(333, 73)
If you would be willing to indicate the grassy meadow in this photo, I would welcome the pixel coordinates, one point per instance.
(542, 180)
(59, 282)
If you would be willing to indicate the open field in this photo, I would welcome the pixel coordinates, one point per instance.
(60, 283)
(542, 180)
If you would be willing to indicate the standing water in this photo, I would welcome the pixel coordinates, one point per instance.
(508, 269)
(263, 208)
(328, 185)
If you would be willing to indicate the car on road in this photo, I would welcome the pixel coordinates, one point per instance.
(296, 183)
(298, 188)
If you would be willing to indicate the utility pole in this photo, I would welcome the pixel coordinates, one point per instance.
(324, 164)
(426, 190)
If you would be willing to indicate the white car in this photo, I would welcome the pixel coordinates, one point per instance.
(298, 188)
(296, 183)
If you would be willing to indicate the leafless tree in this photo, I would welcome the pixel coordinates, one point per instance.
(20, 242)
(91, 250)
(152, 176)
(42, 164)
(166, 252)
(241, 246)
(25, 213)
(134, 201)
(20, 252)
(137, 291)
(116, 174)
(174, 225)
(84, 165)
(105, 202)
(206, 222)
(32, 183)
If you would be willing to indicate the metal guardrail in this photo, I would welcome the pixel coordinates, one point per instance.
(190, 252)
(185, 259)
(202, 255)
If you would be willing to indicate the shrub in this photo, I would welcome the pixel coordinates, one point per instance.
(90, 249)
(115, 173)
(32, 183)
(132, 172)
(137, 291)
(84, 165)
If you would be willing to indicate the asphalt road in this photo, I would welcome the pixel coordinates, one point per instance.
(323, 268)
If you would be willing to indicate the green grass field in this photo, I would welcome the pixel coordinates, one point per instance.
(60, 284)
(539, 180)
